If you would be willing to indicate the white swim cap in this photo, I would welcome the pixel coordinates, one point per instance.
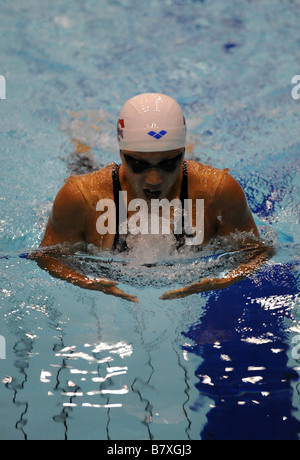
(151, 122)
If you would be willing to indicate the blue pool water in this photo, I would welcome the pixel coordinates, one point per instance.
(82, 365)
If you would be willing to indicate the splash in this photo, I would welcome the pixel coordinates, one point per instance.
(154, 260)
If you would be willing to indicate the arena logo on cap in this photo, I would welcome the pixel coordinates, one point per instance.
(157, 135)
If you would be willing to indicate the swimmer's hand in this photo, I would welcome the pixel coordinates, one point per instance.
(47, 261)
(207, 284)
(107, 287)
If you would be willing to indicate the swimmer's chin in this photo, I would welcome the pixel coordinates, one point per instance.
(152, 194)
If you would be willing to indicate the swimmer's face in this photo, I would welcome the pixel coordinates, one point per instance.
(153, 175)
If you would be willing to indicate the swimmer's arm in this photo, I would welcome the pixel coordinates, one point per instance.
(259, 257)
(57, 269)
(47, 260)
(66, 226)
(233, 216)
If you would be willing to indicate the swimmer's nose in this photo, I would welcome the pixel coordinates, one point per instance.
(153, 179)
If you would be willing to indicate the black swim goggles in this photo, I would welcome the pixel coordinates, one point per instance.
(139, 166)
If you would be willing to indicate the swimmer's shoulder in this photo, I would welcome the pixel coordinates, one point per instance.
(204, 179)
(222, 194)
(94, 186)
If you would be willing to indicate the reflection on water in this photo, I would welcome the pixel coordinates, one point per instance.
(243, 340)
(71, 382)
(198, 368)
(88, 388)
(82, 377)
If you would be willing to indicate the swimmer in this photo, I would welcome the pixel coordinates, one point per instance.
(151, 132)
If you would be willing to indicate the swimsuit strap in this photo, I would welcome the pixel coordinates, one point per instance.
(183, 196)
(184, 186)
(117, 188)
